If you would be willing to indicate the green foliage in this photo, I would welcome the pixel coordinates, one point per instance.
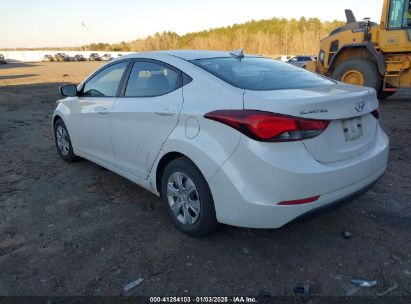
(98, 47)
(269, 37)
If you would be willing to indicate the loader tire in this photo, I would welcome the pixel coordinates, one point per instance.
(359, 71)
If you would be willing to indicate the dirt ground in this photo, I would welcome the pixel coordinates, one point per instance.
(77, 229)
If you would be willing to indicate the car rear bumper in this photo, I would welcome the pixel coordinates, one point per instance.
(249, 186)
(339, 202)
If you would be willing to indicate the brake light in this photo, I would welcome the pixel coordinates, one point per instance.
(376, 114)
(267, 126)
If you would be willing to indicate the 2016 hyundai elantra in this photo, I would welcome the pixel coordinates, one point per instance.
(225, 138)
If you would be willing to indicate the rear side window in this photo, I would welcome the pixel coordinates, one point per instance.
(261, 74)
(149, 79)
(105, 83)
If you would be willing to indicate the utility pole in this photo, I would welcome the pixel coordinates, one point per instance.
(88, 31)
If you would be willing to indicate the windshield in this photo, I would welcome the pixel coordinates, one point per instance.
(260, 74)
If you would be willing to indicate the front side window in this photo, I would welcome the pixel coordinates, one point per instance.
(106, 82)
(148, 79)
(260, 74)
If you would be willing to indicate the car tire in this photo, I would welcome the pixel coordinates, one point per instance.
(63, 141)
(365, 68)
(187, 198)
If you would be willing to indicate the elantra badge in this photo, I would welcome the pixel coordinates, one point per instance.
(360, 106)
(314, 111)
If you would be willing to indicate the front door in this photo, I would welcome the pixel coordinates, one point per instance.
(90, 116)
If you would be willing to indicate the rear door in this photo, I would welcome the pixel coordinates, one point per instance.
(144, 116)
(90, 113)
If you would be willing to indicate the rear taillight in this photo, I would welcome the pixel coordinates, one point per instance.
(376, 113)
(267, 126)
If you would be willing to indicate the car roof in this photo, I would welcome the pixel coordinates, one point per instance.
(186, 54)
(196, 54)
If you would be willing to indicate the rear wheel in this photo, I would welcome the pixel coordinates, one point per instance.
(359, 71)
(187, 198)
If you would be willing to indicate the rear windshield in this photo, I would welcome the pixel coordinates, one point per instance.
(260, 74)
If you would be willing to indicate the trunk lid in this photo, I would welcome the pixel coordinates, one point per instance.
(352, 129)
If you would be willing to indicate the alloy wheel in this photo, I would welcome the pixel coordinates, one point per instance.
(183, 198)
(62, 140)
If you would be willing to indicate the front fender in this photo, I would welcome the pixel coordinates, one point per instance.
(379, 58)
(63, 111)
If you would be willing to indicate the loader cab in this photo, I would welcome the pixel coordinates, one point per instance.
(399, 14)
(408, 14)
(395, 35)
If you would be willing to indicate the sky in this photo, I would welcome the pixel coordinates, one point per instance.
(47, 23)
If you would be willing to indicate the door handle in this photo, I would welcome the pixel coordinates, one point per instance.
(165, 113)
(101, 110)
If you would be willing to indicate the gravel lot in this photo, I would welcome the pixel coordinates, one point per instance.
(77, 229)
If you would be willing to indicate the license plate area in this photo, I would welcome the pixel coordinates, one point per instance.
(352, 128)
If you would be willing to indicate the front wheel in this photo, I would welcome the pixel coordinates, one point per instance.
(187, 198)
(63, 142)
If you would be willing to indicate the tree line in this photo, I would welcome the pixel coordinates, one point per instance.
(267, 37)
(270, 37)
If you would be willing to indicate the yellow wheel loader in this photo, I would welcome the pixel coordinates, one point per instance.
(370, 54)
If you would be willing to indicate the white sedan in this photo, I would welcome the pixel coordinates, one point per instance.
(225, 138)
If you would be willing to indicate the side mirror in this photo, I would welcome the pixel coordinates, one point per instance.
(69, 90)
